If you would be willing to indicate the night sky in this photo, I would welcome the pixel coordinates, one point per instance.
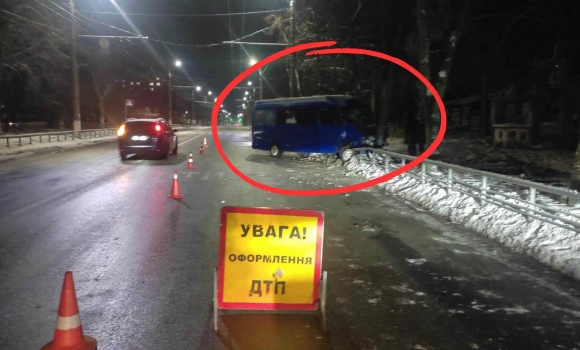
(480, 51)
(209, 67)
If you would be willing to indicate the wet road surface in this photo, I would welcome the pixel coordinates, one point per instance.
(399, 278)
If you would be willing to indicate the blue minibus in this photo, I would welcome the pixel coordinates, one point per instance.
(315, 124)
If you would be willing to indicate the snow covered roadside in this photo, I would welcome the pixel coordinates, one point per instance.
(16, 152)
(556, 247)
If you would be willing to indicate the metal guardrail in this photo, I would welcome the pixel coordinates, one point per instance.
(532, 199)
(42, 137)
(56, 136)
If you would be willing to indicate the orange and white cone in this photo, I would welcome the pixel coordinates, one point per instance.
(205, 142)
(68, 334)
(175, 191)
(190, 161)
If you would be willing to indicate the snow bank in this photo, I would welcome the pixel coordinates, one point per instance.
(554, 246)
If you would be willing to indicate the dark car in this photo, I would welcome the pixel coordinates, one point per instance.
(147, 137)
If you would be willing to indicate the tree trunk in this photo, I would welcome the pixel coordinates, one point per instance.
(102, 120)
(424, 64)
(386, 98)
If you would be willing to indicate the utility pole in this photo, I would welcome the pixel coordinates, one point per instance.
(76, 107)
(193, 116)
(170, 116)
(261, 95)
(293, 41)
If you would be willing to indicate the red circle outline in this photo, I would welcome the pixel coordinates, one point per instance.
(338, 190)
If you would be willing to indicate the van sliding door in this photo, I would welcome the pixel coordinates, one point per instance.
(299, 132)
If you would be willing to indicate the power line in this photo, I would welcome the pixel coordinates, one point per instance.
(110, 26)
(208, 45)
(28, 20)
(188, 15)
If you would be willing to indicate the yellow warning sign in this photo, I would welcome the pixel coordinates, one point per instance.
(270, 258)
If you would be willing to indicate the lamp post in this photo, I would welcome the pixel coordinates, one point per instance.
(76, 105)
(252, 62)
(170, 116)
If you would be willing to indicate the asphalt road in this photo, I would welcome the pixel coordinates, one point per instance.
(399, 277)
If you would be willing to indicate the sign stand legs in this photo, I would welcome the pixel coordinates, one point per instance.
(215, 300)
(323, 299)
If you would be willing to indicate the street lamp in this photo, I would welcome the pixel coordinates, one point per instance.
(253, 62)
(249, 83)
(209, 93)
(247, 93)
(170, 117)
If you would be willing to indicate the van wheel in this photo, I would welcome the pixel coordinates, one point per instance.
(345, 153)
(275, 151)
(175, 149)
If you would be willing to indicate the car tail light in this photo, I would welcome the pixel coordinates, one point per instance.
(158, 128)
(121, 130)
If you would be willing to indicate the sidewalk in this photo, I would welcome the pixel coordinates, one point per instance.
(15, 152)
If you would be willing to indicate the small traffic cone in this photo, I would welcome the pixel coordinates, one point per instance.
(205, 142)
(190, 161)
(68, 334)
(175, 191)
(201, 148)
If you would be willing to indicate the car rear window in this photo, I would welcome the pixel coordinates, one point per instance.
(140, 127)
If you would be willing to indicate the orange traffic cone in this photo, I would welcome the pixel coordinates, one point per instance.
(175, 191)
(190, 161)
(69, 331)
(201, 148)
(205, 142)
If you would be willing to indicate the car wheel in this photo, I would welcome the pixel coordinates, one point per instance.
(345, 153)
(123, 155)
(275, 151)
(175, 149)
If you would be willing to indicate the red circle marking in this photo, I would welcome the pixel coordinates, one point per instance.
(338, 190)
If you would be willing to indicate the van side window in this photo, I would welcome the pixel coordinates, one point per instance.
(265, 117)
(300, 117)
(331, 117)
(307, 117)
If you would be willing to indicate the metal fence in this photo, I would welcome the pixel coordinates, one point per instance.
(549, 204)
(48, 137)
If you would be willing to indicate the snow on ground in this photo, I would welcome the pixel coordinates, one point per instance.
(552, 245)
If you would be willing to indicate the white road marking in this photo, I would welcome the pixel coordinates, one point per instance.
(189, 140)
(33, 205)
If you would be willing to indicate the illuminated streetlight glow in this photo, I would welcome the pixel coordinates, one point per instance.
(253, 61)
(178, 63)
(249, 83)
(215, 100)
(247, 93)
(209, 93)
(198, 88)
(245, 98)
